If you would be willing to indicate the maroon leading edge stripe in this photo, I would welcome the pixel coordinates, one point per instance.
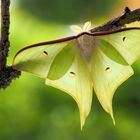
(101, 33)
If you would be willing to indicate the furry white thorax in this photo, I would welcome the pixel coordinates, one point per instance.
(77, 29)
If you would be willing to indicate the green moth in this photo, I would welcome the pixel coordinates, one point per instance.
(89, 60)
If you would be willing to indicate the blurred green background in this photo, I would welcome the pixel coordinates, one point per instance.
(30, 110)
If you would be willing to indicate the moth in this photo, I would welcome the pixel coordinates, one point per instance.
(99, 61)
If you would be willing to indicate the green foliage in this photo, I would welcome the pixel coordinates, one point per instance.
(68, 11)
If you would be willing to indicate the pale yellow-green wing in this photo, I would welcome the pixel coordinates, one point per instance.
(37, 60)
(77, 83)
(127, 43)
(109, 70)
(63, 68)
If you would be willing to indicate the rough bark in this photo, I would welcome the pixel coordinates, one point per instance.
(5, 23)
(6, 73)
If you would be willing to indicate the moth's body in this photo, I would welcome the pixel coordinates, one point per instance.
(86, 45)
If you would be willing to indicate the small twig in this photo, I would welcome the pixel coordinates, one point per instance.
(127, 18)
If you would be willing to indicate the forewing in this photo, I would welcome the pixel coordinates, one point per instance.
(77, 83)
(109, 70)
(37, 60)
(127, 43)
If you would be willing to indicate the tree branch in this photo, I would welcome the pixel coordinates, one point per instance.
(5, 23)
(6, 73)
(119, 22)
